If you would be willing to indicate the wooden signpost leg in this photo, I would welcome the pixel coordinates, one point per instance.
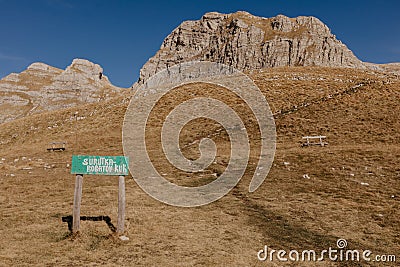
(76, 212)
(121, 205)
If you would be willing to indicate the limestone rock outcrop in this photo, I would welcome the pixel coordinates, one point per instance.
(42, 87)
(249, 42)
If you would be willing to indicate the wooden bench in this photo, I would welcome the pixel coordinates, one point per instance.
(318, 140)
(57, 146)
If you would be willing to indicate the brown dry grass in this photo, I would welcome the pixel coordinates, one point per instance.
(286, 212)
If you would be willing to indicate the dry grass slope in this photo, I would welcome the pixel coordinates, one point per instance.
(352, 191)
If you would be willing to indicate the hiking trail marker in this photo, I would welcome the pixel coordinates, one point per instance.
(99, 165)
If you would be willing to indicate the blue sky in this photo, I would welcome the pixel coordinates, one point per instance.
(122, 35)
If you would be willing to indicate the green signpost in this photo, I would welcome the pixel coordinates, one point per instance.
(99, 165)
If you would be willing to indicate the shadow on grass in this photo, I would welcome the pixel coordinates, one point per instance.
(68, 219)
(280, 232)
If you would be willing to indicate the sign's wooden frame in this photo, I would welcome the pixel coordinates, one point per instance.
(76, 212)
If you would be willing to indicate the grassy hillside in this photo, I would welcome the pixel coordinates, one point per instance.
(352, 189)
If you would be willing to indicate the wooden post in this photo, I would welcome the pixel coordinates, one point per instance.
(121, 205)
(76, 212)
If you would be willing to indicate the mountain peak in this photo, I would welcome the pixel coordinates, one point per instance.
(42, 87)
(86, 66)
(39, 66)
(245, 42)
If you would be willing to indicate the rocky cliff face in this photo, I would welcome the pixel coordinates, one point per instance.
(41, 87)
(249, 42)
